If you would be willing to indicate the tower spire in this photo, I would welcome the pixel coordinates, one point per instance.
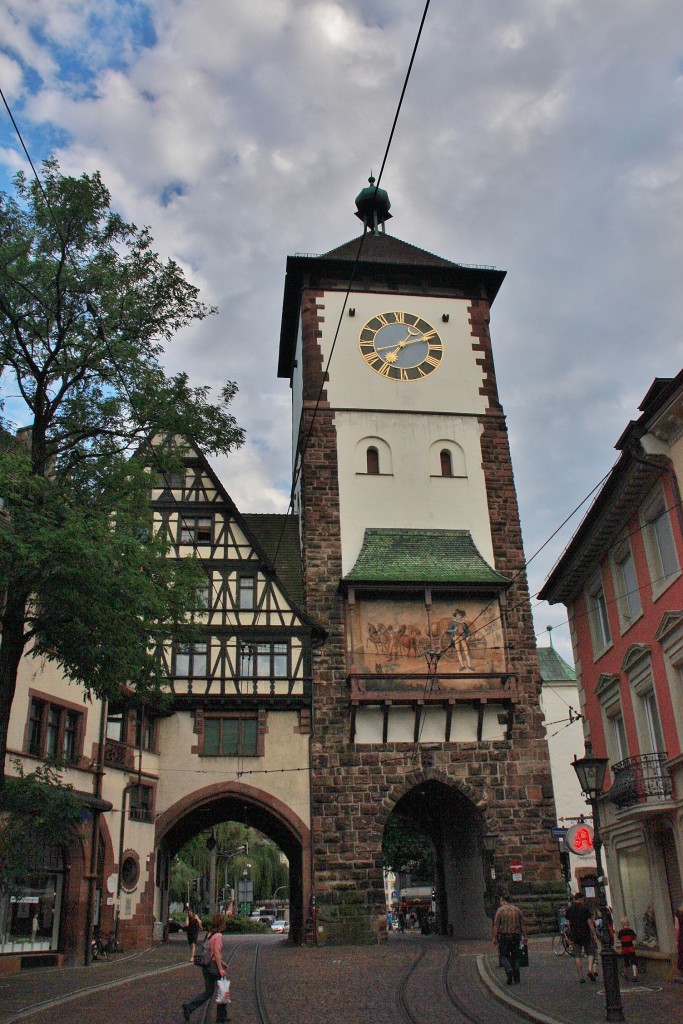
(373, 206)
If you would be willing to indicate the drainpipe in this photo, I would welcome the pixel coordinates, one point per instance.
(95, 836)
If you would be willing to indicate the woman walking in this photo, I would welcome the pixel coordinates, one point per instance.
(192, 927)
(214, 970)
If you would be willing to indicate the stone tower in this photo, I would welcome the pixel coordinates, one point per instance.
(426, 688)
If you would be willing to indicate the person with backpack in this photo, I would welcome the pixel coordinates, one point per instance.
(210, 958)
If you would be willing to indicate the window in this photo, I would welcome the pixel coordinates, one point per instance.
(230, 737)
(141, 803)
(653, 723)
(192, 661)
(196, 529)
(608, 692)
(626, 585)
(618, 738)
(130, 871)
(171, 481)
(659, 544)
(53, 730)
(144, 730)
(116, 726)
(202, 596)
(35, 727)
(372, 460)
(264, 661)
(70, 735)
(246, 593)
(446, 462)
(597, 616)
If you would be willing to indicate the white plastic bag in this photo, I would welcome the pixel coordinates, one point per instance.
(222, 991)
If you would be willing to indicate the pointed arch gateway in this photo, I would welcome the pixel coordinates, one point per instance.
(453, 816)
(235, 801)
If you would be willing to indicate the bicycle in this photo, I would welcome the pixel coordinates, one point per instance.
(562, 944)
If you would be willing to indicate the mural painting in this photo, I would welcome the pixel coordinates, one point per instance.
(391, 638)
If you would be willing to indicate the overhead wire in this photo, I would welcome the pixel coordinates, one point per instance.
(301, 449)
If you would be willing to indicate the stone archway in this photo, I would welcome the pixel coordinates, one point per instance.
(454, 822)
(235, 801)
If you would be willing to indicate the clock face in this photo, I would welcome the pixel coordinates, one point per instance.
(400, 346)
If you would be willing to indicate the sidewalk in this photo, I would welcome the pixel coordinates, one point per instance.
(30, 991)
(551, 993)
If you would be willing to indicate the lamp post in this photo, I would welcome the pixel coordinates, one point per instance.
(591, 775)
(488, 844)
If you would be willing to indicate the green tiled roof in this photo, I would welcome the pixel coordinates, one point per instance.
(422, 556)
(552, 667)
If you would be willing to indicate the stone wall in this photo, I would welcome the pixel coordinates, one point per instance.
(507, 783)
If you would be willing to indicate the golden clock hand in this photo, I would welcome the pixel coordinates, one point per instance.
(410, 336)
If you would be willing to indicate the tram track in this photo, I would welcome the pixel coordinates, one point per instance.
(427, 993)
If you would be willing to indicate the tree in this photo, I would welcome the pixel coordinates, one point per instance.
(38, 809)
(86, 307)
(407, 849)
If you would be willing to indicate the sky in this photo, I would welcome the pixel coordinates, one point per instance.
(542, 137)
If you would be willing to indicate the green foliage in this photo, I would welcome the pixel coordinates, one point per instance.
(242, 926)
(407, 849)
(36, 807)
(86, 307)
(266, 871)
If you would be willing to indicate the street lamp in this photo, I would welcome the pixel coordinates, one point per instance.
(488, 845)
(245, 875)
(590, 772)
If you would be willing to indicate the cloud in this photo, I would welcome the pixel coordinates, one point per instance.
(534, 135)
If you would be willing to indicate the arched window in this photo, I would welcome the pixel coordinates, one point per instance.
(446, 462)
(372, 461)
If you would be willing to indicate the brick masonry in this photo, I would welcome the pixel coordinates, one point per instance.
(354, 790)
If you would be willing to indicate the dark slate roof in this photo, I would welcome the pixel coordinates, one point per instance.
(280, 533)
(425, 557)
(387, 249)
(552, 667)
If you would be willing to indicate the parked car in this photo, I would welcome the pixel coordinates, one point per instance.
(175, 926)
(280, 925)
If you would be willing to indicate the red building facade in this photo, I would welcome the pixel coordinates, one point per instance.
(621, 580)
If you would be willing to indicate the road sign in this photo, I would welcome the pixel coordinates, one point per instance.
(557, 832)
(394, 894)
(516, 870)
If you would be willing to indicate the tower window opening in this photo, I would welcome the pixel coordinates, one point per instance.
(446, 460)
(372, 461)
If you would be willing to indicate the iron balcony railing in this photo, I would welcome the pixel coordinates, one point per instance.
(640, 779)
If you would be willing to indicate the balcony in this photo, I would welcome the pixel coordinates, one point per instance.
(640, 780)
(118, 755)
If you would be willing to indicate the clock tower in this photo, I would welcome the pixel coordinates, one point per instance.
(426, 688)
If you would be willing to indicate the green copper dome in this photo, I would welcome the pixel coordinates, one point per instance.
(372, 205)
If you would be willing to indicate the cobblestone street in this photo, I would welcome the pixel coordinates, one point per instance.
(354, 985)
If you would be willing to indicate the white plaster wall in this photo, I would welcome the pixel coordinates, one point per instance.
(409, 495)
(565, 741)
(182, 772)
(452, 387)
(297, 398)
(409, 417)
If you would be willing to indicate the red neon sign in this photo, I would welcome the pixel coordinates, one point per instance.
(579, 840)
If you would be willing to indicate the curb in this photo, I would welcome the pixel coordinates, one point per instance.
(528, 1012)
